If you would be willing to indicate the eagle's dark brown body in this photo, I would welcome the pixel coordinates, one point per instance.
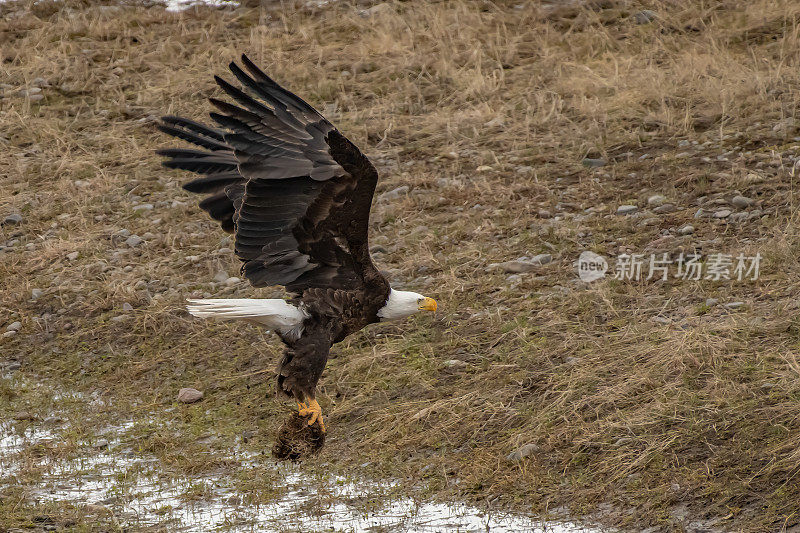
(296, 195)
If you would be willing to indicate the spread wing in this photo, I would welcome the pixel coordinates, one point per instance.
(295, 192)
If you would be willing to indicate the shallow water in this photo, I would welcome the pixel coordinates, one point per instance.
(132, 485)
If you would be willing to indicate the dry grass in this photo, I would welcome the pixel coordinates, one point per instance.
(629, 414)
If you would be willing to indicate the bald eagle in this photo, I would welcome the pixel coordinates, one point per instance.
(296, 195)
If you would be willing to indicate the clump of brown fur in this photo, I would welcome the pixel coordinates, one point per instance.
(296, 439)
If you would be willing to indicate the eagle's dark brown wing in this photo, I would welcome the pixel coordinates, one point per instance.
(295, 193)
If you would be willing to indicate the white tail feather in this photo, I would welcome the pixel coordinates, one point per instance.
(275, 314)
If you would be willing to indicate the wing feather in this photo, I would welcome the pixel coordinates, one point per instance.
(294, 191)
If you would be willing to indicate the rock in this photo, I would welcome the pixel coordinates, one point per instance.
(72, 256)
(733, 305)
(593, 163)
(142, 207)
(645, 16)
(127, 307)
(741, 202)
(233, 280)
(483, 168)
(738, 217)
(394, 194)
(688, 229)
(522, 264)
(711, 302)
(25, 415)
(722, 213)
(221, 277)
(14, 326)
(664, 209)
(12, 219)
(193, 258)
(544, 213)
(522, 452)
(39, 82)
(9, 334)
(189, 395)
(627, 209)
(378, 249)
(36, 97)
(36, 294)
(133, 241)
(542, 259)
(656, 200)
(455, 363)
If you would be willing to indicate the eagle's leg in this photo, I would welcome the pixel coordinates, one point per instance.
(315, 411)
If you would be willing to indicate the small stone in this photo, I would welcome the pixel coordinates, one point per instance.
(741, 202)
(656, 200)
(12, 219)
(25, 415)
(627, 209)
(394, 193)
(722, 213)
(233, 280)
(9, 334)
(72, 256)
(664, 209)
(733, 305)
(738, 218)
(189, 395)
(455, 363)
(711, 302)
(39, 82)
(542, 259)
(378, 249)
(483, 168)
(133, 241)
(688, 229)
(142, 207)
(221, 277)
(593, 163)
(14, 326)
(522, 452)
(646, 16)
(193, 258)
(36, 97)
(544, 213)
(127, 307)
(36, 294)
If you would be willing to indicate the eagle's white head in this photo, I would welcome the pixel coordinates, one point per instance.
(401, 304)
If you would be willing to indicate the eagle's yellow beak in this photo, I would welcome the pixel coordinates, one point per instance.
(428, 304)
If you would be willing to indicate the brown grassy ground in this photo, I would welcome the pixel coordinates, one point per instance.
(635, 419)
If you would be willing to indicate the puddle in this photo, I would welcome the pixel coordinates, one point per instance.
(133, 486)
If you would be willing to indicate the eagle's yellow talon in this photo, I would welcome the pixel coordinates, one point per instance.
(315, 411)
